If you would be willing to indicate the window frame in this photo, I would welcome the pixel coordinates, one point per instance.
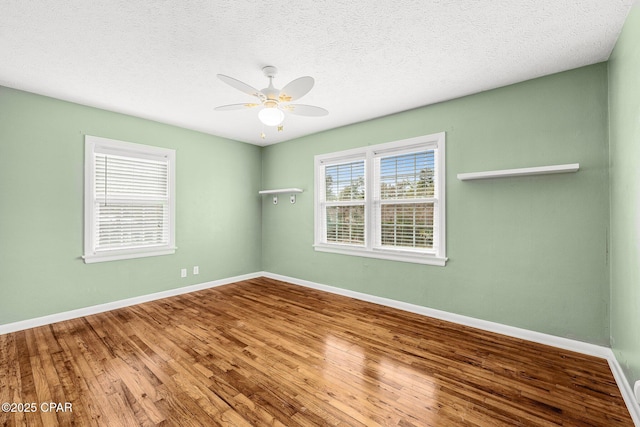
(95, 145)
(372, 247)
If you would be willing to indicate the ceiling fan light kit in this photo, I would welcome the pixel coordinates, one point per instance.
(273, 102)
(271, 116)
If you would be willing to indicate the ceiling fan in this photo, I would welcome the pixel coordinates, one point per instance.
(272, 102)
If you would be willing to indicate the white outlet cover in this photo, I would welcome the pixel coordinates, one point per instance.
(196, 270)
(183, 272)
(636, 390)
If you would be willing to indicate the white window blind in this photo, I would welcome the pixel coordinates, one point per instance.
(129, 206)
(406, 185)
(132, 202)
(344, 204)
(383, 201)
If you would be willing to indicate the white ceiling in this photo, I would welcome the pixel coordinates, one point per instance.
(158, 59)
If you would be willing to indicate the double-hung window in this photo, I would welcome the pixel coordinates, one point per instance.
(383, 201)
(129, 200)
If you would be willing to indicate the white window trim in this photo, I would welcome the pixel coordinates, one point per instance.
(95, 144)
(435, 257)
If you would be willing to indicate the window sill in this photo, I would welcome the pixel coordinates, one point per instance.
(402, 256)
(90, 259)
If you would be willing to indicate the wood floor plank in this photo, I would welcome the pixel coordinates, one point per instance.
(264, 352)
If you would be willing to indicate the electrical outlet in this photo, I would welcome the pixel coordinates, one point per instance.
(183, 273)
(196, 270)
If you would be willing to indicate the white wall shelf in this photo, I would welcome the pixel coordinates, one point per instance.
(274, 193)
(281, 191)
(504, 173)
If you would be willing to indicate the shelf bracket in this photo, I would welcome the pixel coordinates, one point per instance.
(292, 199)
(274, 193)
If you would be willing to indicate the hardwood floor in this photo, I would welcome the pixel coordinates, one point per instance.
(263, 352)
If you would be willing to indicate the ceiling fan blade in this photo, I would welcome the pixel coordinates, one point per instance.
(296, 89)
(305, 110)
(242, 87)
(235, 107)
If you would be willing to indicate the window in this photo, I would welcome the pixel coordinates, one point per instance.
(383, 201)
(129, 200)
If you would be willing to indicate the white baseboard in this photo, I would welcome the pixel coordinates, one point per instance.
(564, 343)
(525, 334)
(625, 388)
(101, 308)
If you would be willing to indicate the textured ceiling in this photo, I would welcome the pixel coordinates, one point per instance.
(158, 59)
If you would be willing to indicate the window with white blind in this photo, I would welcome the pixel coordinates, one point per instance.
(344, 184)
(383, 201)
(129, 200)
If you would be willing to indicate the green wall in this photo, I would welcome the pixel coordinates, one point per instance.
(41, 208)
(530, 252)
(624, 122)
